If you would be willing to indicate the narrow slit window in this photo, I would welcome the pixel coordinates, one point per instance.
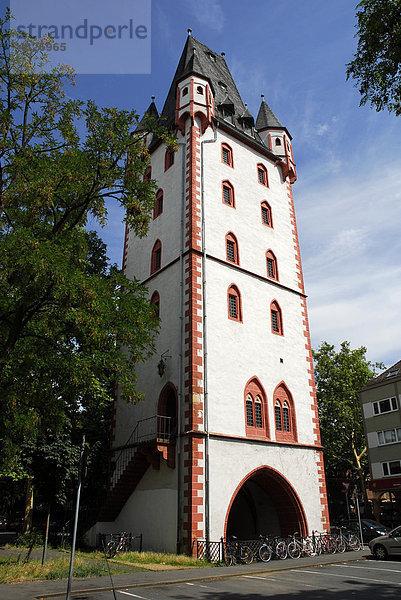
(266, 214)
(227, 155)
(232, 254)
(228, 194)
(262, 175)
(277, 415)
(249, 411)
(258, 412)
(234, 304)
(232, 300)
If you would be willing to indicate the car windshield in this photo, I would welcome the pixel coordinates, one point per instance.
(397, 531)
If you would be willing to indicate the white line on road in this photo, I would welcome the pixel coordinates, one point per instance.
(369, 568)
(256, 577)
(200, 585)
(347, 576)
(133, 595)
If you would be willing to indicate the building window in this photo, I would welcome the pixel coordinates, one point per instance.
(234, 303)
(228, 194)
(168, 159)
(148, 174)
(278, 142)
(389, 436)
(156, 259)
(266, 214)
(232, 254)
(185, 91)
(227, 155)
(284, 414)
(256, 422)
(276, 318)
(392, 468)
(271, 265)
(158, 207)
(155, 302)
(199, 90)
(385, 406)
(262, 175)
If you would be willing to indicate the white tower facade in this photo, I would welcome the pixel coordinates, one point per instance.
(227, 439)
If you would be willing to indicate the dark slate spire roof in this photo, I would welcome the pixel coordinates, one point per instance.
(266, 117)
(151, 111)
(199, 59)
(388, 376)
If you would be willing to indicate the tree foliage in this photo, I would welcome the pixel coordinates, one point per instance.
(339, 379)
(376, 67)
(64, 313)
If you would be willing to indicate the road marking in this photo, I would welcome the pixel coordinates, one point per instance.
(133, 595)
(200, 585)
(348, 577)
(368, 567)
(256, 577)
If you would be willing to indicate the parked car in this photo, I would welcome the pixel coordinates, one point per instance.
(386, 545)
(3, 522)
(370, 529)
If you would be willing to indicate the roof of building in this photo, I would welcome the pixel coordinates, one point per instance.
(151, 111)
(266, 117)
(391, 374)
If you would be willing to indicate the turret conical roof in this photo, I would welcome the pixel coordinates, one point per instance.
(266, 117)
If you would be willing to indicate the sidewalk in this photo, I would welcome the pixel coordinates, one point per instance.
(57, 589)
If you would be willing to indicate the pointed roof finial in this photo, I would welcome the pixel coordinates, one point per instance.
(153, 98)
(223, 54)
(246, 104)
(262, 96)
(189, 31)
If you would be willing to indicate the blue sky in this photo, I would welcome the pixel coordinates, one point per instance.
(347, 197)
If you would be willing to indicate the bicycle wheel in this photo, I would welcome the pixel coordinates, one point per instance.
(229, 559)
(354, 543)
(111, 549)
(308, 548)
(281, 550)
(293, 550)
(265, 553)
(341, 545)
(246, 555)
(331, 546)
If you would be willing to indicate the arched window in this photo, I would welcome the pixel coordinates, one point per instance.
(228, 194)
(262, 175)
(155, 302)
(256, 422)
(156, 258)
(227, 155)
(271, 265)
(278, 142)
(266, 210)
(148, 174)
(168, 159)
(185, 91)
(199, 90)
(284, 414)
(232, 254)
(158, 207)
(276, 318)
(234, 303)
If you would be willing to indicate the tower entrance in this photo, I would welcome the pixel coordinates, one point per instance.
(265, 503)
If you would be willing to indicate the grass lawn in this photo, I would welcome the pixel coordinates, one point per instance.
(151, 558)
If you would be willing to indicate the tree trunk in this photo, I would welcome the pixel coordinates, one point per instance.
(361, 478)
(46, 536)
(28, 505)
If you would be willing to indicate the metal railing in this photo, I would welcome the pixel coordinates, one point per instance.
(158, 428)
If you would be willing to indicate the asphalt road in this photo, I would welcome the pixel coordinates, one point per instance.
(360, 580)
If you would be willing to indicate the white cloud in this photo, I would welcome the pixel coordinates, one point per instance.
(322, 129)
(207, 12)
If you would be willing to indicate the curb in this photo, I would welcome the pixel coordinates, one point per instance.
(193, 579)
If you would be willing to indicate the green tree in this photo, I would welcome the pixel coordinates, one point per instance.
(339, 379)
(64, 314)
(376, 67)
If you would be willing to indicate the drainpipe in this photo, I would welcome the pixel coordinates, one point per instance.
(180, 354)
(205, 390)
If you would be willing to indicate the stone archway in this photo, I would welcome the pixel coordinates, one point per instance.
(265, 503)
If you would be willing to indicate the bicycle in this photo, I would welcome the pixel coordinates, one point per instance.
(348, 540)
(118, 543)
(279, 547)
(296, 547)
(265, 551)
(236, 552)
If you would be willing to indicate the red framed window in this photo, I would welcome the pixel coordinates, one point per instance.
(158, 207)
(232, 254)
(266, 212)
(262, 175)
(156, 258)
(276, 318)
(228, 194)
(256, 421)
(168, 159)
(271, 265)
(227, 155)
(148, 174)
(155, 302)
(284, 414)
(234, 304)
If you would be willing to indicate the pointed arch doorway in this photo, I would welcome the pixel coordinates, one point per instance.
(264, 503)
